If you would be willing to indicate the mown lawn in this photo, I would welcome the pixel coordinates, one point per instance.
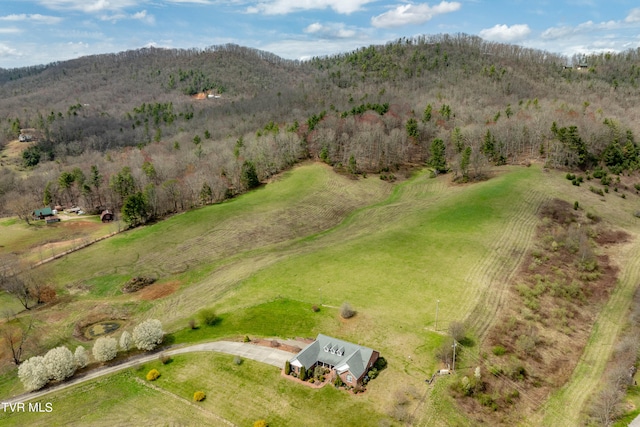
(116, 400)
(250, 391)
(277, 318)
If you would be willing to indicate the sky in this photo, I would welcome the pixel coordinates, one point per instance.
(42, 31)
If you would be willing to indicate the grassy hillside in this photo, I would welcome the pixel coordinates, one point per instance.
(391, 258)
(314, 237)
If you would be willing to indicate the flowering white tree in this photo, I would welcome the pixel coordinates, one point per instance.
(148, 334)
(105, 348)
(125, 341)
(33, 373)
(81, 356)
(60, 363)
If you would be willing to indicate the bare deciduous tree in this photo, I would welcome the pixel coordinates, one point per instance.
(15, 337)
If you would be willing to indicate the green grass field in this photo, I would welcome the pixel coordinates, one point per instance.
(314, 237)
(241, 394)
(37, 241)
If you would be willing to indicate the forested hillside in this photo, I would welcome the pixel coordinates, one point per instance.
(113, 127)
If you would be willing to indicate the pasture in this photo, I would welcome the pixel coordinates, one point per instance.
(317, 238)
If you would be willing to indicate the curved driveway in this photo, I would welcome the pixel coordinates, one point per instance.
(271, 356)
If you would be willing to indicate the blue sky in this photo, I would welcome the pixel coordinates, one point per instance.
(41, 31)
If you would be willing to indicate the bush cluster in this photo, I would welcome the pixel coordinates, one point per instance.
(199, 396)
(346, 312)
(153, 375)
(208, 317)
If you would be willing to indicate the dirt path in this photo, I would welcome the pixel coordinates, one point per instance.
(570, 401)
(271, 356)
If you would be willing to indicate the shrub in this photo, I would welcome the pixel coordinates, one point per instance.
(247, 339)
(380, 364)
(199, 396)
(319, 372)
(125, 341)
(287, 367)
(261, 423)
(457, 331)
(526, 344)
(105, 349)
(237, 360)
(208, 317)
(81, 357)
(153, 375)
(593, 217)
(47, 294)
(372, 374)
(498, 350)
(148, 334)
(33, 373)
(192, 324)
(164, 358)
(488, 401)
(597, 191)
(60, 363)
(517, 373)
(315, 308)
(576, 205)
(346, 312)
(338, 381)
(303, 373)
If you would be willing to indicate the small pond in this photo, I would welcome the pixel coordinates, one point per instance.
(102, 328)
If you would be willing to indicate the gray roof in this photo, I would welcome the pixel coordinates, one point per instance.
(343, 355)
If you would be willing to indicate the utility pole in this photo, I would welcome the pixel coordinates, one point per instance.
(437, 304)
(454, 354)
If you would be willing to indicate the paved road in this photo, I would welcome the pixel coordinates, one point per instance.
(271, 356)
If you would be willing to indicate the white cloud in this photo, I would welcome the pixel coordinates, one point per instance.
(190, 1)
(584, 28)
(144, 17)
(634, 16)
(89, 6)
(22, 17)
(282, 7)
(6, 51)
(412, 14)
(330, 31)
(140, 16)
(505, 33)
(10, 30)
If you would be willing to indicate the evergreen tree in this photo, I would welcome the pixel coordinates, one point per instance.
(135, 210)
(426, 116)
(248, 175)
(438, 159)
(412, 128)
